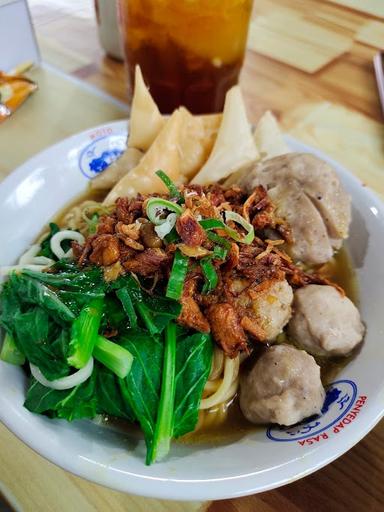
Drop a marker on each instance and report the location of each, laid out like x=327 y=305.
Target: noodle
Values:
x=217 y=365
x=231 y=372
x=80 y=217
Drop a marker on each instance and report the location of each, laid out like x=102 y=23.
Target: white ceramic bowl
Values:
x=259 y=461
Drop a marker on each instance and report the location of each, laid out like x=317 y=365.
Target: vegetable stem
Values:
x=164 y=423
x=84 y=333
x=115 y=357
x=10 y=353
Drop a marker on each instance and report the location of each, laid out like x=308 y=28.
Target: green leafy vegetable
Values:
x=46 y=243
x=10 y=353
x=178 y=274
x=141 y=389
x=109 y=396
x=72 y=404
x=116 y=358
x=161 y=442
x=32 y=291
x=10 y=305
x=76 y=300
x=155 y=312
x=126 y=301
x=43 y=342
x=84 y=333
x=152 y=372
x=71 y=278
x=193 y=365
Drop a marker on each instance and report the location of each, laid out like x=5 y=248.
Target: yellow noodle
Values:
x=212 y=386
x=218 y=364
x=79 y=216
x=231 y=370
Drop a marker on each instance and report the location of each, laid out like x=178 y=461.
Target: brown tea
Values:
x=190 y=51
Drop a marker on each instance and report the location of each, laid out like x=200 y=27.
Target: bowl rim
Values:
x=191 y=490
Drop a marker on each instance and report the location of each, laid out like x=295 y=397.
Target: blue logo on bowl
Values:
x=100 y=153
x=339 y=399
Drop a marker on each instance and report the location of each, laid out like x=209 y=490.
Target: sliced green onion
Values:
x=166 y=227
x=165 y=415
x=219 y=240
x=84 y=332
x=92 y=223
x=173 y=191
x=113 y=356
x=209 y=224
x=235 y=217
x=10 y=353
x=126 y=300
x=177 y=277
x=219 y=253
x=210 y=274
x=156 y=207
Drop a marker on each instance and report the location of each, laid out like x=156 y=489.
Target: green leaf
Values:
x=31 y=291
x=69 y=277
x=46 y=244
x=43 y=342
x=71 y=404
x=155 y=312
x=141 y=389
x=10 y=353
x=109 y=396
x=125 y=299
x=10 y=306
x=193 y=365
x=75 y=300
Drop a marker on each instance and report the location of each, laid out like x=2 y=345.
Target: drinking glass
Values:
x=190 y=51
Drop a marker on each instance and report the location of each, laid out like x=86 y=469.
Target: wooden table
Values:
x=310 y=61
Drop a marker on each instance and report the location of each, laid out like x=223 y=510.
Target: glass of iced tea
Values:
x=190 y=51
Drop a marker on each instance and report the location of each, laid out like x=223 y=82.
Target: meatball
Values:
x=283 y=387
x=269 y=308
x=309 y=195
x=324 y=322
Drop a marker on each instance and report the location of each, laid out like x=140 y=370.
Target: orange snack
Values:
x=14 y=90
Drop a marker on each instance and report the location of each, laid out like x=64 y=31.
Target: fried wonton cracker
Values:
x=163 y=154
x=234 y=146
